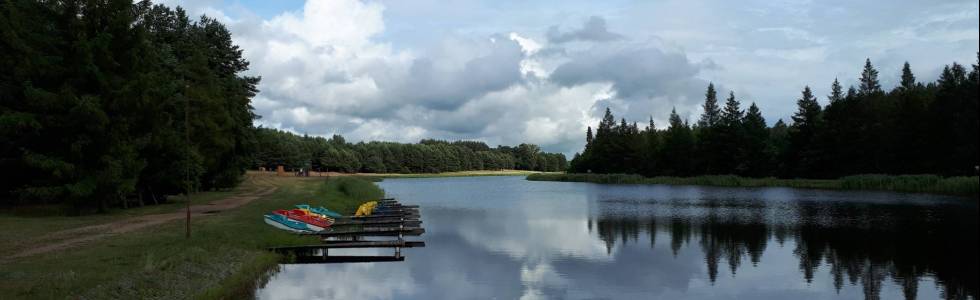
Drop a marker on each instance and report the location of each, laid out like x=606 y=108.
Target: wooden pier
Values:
x=352 y=244
x=371 y=231
x=392 y=219
x=378 y=222
x=336 y=259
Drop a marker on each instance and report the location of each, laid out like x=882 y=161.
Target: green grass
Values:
x=380 y=176
x=26 y=222
x=224 y=258
x=902 y=183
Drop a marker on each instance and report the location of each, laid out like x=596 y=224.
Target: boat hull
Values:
x=295 y=227
x=306 y=221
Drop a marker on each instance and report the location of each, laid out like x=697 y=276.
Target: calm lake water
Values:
x=507 y=238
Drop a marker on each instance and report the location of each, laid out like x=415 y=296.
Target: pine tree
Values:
x=588 y=136
x=651 y=149
x=711 y=153
x=607 y=123
x=755 y=159
x=908 y=80
x=869 y=80
x=711 y=113
x=804 y=156
x=837 y=137
x=678 y=144
x=779 y=147
x=907 y=130
x=732 y=115
x=954 y=122
x=729 y=137
x=836 y=94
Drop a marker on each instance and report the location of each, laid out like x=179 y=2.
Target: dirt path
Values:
x=67 y=239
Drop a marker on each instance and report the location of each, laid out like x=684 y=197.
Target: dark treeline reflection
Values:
x=857 y=243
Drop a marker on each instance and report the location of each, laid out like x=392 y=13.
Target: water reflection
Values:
x=856 y=243
x=507 y=238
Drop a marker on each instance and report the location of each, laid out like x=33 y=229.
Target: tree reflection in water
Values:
x=862 y=243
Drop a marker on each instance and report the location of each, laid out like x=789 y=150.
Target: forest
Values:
x=915 y=128
x=104 y=101
x=276 y=147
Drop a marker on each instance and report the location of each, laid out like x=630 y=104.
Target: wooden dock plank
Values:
x=352 y=244
x=415 y=215
x=388 y=222
x=332 y=259
x=372 y=231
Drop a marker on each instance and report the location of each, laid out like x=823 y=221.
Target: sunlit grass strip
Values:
x=380 y=176
x=901 y=183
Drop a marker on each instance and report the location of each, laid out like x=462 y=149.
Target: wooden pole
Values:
x=187 y=174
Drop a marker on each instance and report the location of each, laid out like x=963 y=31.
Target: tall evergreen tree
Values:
x=678 y=144
x=755 y=158
x=908 y=129
x=730 y=136
x=712 y=113
x=710 y=149
x=607 y=123
x=908 y=80
x=836 y=93
x=588 y=136
x=806 y=123
x=779 y=147
x=731 y=116
x=839 y=133
x=869 y=80
x=651 y=149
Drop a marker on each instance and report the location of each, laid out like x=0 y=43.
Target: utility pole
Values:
x=187 y=160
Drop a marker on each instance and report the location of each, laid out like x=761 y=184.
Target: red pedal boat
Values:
x=314 y=223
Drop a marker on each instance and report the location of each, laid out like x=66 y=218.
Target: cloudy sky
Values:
x=507 y=72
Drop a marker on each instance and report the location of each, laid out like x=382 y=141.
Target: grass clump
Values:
x=344 y=194
x=963 y=185
x=901 y=183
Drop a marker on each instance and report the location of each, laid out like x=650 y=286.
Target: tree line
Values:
x=915 y=128
x=280 y=148
x=94 y=96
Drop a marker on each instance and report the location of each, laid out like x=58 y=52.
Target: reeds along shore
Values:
x=963 y=185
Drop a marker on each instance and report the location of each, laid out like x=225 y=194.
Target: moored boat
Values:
x=312 y=222
x=319 y=210
x=284 y=223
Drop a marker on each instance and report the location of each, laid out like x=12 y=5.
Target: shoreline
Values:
x=478 y=173
x=925 y=184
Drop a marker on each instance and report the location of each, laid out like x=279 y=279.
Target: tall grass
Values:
x=355 y=188
x=913 y=183
x=901 y=183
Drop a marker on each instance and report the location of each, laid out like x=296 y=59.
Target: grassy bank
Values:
x=222 y=259
x=378 y=176
x=901 y=183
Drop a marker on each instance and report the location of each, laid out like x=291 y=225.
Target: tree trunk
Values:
x=153 y=196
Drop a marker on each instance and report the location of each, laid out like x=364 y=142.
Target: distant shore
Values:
x=507 y=172
x=932 y=184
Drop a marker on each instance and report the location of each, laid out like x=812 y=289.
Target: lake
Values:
x=507 y=238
